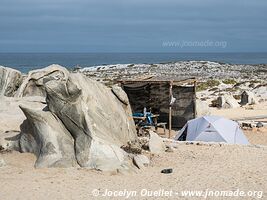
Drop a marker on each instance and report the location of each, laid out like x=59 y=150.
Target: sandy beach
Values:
x=195 y=167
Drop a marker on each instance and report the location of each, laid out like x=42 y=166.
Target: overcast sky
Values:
x=132 y=25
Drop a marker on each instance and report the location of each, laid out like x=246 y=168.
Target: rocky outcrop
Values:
x=10 y=80
x=227 y=101
x=50 y=140
x=182 y=69
x=96 y=119
x=33 y=84
x=84 y=123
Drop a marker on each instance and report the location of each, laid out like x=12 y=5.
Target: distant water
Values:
x=28 y=61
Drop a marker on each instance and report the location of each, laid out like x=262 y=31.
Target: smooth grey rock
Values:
x=33 y=84
x=53 y=141
x=141 y=161
x=98 y=122
x=2 y=162
x=156 y=144
x=82 y=122
x=120 y=94
x=64 y=100
x=259 y=125
x=170 y=149
x=227 y=101
x=10 y=80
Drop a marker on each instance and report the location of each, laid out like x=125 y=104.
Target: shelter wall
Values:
x=156 y=96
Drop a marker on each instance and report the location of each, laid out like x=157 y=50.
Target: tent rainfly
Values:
x=212 y=129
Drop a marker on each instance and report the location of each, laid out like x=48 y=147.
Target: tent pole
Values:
x=170 y=111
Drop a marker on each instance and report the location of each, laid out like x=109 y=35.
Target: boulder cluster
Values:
x=69 y=120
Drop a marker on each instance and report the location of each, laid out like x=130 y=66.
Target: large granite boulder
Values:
x=82 y=122
x=10 y=80
x=95 y=117
x=227 y=101
x=33 y=84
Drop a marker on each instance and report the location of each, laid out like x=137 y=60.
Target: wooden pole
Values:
x=195 y=99
x=170 y=121
x=170 y=111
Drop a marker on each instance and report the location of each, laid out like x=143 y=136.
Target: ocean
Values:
x=25 y=62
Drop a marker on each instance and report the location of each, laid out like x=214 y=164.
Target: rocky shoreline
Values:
x=198 y=69
x=214 y=79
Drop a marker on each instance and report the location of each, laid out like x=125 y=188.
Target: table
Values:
x=144 y=119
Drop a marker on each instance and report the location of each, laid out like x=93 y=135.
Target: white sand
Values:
x=195 y=167
x=242 y=112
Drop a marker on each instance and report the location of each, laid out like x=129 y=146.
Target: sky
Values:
x=133 y=26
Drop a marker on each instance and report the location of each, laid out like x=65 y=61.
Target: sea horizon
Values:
x=26 y=61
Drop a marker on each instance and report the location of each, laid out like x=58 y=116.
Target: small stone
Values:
x=170 y=149
x=167 y=171
x=141 y=161
x=132 y=147
x=156 y=144
x=259 y=125
x=2 y=162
